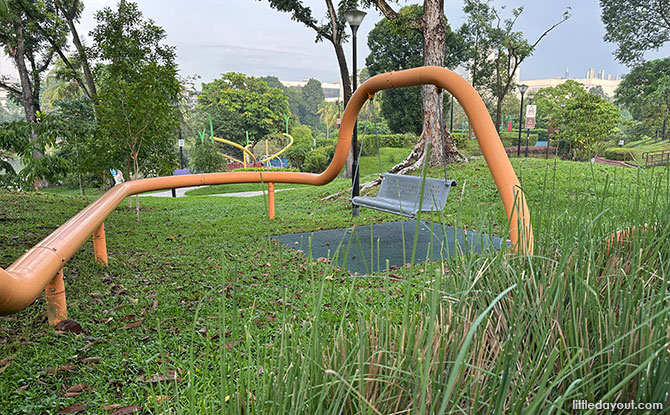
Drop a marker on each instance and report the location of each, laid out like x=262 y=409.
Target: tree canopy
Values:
x=312 y=98
x=238 y=103
x=636 y=26
x=396 y=45
x=138 y=90
x=645 y=92
x=551 y=100
x=496 y=50
x=586 y=120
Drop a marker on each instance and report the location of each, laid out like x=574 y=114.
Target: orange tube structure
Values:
x=271 y=200
x=100 y=245
x=55 y=295
x=24 y=280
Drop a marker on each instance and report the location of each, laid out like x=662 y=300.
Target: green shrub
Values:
x=460 y=139
x=511 y=138
x=206 y=158
x=296 y=154
x=619 y=153
x=318 y=159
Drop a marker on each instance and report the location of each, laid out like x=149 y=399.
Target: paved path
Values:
x=181 y=192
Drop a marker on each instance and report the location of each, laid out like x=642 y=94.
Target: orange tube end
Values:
x=271 y=200
x=55 y=296
x=100 y=245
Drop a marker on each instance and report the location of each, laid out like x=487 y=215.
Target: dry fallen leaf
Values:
x=79 y=387
x=73 y=409
x=124 y=410
x=132 y=324
x=70 y=326
x=22 y=388
x=110 y=407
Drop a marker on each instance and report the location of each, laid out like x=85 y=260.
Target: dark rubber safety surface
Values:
x=365 y=249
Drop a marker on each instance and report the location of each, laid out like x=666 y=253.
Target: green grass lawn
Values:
x=198 y=312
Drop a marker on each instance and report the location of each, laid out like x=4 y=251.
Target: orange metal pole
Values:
x=271 y=200
x=55 y=296
x=100 y=245
x=23 y=280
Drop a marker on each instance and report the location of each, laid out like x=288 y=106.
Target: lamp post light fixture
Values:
x=530 y=102
x=522 y=88
x=355 y=18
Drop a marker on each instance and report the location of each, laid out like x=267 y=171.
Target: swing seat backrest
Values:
x=401 y=195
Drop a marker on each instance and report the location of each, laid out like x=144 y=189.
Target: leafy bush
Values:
x=619 y=153
x=206 y=158
x=460 y=139
x=511 y=138
x=296 y=154
x=318 y=159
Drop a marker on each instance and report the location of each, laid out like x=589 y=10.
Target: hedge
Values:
x=619 y=154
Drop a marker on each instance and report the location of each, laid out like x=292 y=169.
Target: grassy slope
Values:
x=189 y=258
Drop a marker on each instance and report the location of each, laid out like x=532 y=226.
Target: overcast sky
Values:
x=217 y=36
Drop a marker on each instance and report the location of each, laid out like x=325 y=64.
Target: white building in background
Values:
x=332 y=91
x=606 y=82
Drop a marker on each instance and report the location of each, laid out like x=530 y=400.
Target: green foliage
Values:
x=239 y=103
x=619 y=153
x=125 y=43
x=74 y=128
x=206 y=158
x=138 y=121
x=396 y=45
x=368 y=127
x=317 y=160
x=585 y=121
x=496 y=50
x=550 y=100
x=636 y=26
x=312 y=98
x=460 y=139
x=511 y=138
x=645 y=92
x=16 y=138
x=137 y=93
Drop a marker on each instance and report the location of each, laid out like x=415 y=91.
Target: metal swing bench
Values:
x=401 y=195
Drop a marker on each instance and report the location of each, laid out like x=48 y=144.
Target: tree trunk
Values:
x=434 y=38
x=499 y=105
x=28 y=101
x=81 y=51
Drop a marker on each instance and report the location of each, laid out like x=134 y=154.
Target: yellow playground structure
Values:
x=258 y=154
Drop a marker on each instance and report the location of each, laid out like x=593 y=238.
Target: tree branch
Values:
x=566 y=16
x=10 y=88
x=334 y=35
x=56 y=49
x=386 y=9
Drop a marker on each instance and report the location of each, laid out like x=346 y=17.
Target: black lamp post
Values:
x=530 y=102
x=522 y=88
x=355 y=18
